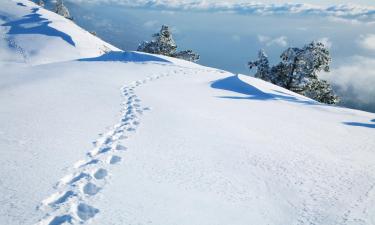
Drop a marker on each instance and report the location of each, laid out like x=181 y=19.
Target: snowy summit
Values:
x=91 y=134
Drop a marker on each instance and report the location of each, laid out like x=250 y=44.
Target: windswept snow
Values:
x=91 y=134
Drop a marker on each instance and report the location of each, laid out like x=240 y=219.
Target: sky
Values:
x=359 y=10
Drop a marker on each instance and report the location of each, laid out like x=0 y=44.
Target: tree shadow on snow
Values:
x=234 y=84
x=367 y=125
x=34 y=24
x=119 y=56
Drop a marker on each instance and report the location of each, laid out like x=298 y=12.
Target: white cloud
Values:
x=263 y=38
x=151 y=23
x=351 y=12
x=346 y=21
x=367 y=42
x=355 y=81
x=281 y=41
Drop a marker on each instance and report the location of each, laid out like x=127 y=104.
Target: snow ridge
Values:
x=74 y=192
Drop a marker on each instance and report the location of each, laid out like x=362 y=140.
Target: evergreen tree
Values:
x=163 y=44
x=298 y=71
x=62 y=10
x=321 y=91
x=303 y=65
x=263 y=66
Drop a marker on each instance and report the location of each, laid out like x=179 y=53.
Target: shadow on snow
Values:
x=234 y=84
x=367 y=125
x=21 y=4
x=119 y=56
x=34 y=24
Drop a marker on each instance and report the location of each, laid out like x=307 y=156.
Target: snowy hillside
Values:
x=90 y=134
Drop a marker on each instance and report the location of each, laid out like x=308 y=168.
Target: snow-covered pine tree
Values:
x=263 y=66
x=163 y=44
x=61 y=9
x=298 y=71
x=187 y=55
x=303 y=65
x=321 y=91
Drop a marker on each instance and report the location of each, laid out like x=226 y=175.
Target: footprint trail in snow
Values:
x=75 y=193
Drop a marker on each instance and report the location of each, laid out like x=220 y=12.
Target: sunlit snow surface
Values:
x=93 y=135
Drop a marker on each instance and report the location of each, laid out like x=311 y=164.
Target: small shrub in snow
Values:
x=298 y=71
x=163 y=44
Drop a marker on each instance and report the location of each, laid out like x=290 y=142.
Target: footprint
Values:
x=79 y=177
x=59 y=220
x=136 y=123
x=114 y=159
x=121 y=148
x=81 y=164
x=122 y=137
x=126 y=124
x=131 y=129
x=130 y=111
x=104 y=150
x=86 y=212
x=57 y=200
x=91 y=189
x=100 y=174
x=126 y=119
x=108 y=140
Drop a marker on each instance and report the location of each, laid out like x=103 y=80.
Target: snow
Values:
x=111 y=137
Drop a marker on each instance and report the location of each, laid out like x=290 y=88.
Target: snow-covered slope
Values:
x=39 y=36
x=131 y=138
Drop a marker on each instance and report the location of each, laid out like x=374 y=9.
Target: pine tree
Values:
x=304 y=64
x=62 y=10
x=321 y=91
x=164 y=44
x=263 y=66
x=298 y=71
